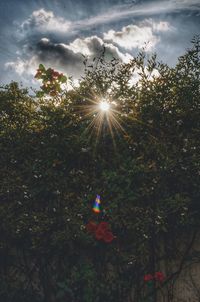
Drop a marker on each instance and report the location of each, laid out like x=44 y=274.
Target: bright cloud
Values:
x=161 y=26
x=142 y=35
x=44 y=21
x=87 y=46
x=93 y=46
x=120 y=12
x=133 y=36
x=23 y=66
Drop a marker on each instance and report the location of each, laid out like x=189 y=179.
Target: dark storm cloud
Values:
x=70 y=57
x=67 y=58
x=61 y=56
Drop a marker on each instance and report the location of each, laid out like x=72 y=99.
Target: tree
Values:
x=58 y=152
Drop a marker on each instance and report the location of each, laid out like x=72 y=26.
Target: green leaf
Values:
x=63 y=79
x=40 y=94
x=48 y=72
x=41 y=67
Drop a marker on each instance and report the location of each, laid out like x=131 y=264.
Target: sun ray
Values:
x=102 y=116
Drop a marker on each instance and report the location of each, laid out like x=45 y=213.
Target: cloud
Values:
x=133 y=36
x=70 y=56
x=21 y=66
x=24 y=70
x=44 y=21
x=67 y=58
x=120 y=12
x=138 y=36
x=93 y=46
x=161 y=26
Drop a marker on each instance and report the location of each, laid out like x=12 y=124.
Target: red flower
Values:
x=99 y=233
x=104 y=233
x=159 y=276
x=148 y=277
x=55 y=74
x=108 y=237
x=103 y=226
x=91 y=226
x=101 y=230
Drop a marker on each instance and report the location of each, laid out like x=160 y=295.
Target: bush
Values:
x=58 y=152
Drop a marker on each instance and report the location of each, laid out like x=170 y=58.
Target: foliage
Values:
x=51 y=80
x=52 y=168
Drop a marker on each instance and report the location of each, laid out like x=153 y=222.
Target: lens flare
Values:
x=96 y=206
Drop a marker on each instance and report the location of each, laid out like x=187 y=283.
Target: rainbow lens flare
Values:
x=96 y=207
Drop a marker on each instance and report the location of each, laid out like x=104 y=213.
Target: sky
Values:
x=58 y=33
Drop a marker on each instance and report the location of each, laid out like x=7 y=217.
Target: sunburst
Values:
x=103 y=116
x=104 y=105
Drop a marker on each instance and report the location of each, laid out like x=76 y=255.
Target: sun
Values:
x=104 y=106
x=102 y=115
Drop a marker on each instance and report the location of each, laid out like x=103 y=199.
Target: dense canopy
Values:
x=143 y=159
